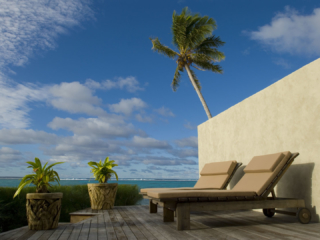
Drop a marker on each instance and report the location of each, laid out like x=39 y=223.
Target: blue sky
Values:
x=79 y=81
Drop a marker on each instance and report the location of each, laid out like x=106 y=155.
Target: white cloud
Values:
x=147 y=142
x=107 y=127
x=246 y=51
x=82 y=148
x=26 y=25
x=188 y=125
x=74 y=98
x=163 y=161
x=183 y=153
x=127 y=106
x=130 y=84
x=14 y=100
x=141 y=118
x=187 y=142
x=164 y=112
x=26 y=136
x=8 y=155
x=283 y=63
x=291 y=32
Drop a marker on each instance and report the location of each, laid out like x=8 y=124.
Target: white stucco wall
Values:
x=284 y=116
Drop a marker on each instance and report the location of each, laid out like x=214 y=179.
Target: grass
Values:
x=13 y=211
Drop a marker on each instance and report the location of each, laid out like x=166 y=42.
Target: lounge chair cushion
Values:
x=265 y=163
x=215 y=175
x=162 y=194
x=259 y=181
x=145 y=190
x=218 y=168
x=214 y=181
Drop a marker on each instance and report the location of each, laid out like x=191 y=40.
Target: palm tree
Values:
x=197 y=47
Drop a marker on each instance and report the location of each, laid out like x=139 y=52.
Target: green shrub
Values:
x=13 y=211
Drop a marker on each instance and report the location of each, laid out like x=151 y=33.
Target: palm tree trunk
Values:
x=199 y=93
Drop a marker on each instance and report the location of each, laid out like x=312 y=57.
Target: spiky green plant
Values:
x=102 y=171
x=41 y=177
x=196 y=47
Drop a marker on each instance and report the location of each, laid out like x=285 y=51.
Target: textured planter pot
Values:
x=102 y=195
x=43 y=210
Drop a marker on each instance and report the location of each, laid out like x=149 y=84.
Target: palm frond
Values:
x=20 y=188
x=213 y=54
x=92 y=164
x=176 y=79
x=210 y=42
x=208 y=66
x=102 y=170
x=33 y=165
x=114 y=174
x=158 y=47
x=200 y=30
x=178 y=28
x=38 y=162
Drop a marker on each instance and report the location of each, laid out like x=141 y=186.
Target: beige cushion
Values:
x=146 y=190
x=199 y=193
x=265 y=163
x=214 y=181
x=218 y=168
x=213 y=176
x=258 y=182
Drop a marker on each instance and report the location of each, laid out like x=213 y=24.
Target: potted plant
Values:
x=102 y=194
x=43 y=207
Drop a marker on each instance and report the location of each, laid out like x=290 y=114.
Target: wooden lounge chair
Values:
x=212 y=176
x=251 y=192
x=215 y=175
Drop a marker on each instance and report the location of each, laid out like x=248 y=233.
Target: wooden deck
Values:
x=135 y=222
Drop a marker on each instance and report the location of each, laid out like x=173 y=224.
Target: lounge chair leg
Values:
x=168 y=215
x=183 y=216
x=152 y=207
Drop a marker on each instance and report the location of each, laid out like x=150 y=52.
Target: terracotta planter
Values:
x=102 y=195
x=43 y=210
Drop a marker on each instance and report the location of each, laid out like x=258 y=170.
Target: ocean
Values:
x=142 y=183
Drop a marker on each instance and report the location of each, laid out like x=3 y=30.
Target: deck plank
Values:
x=37 y=235
x=135 y=222
x=283 y=228
x=227 y=227
x=102 y=232
x=117 y=226
x=167 y=227
x=27 y=235
x=67 y=232
x=150 y=226
x=16 y=234
x=131 y=224
x=85 y=230
x=254 y=226
x=45 y=235
x=111 y=234
x=202 y=231
x=8 y=234
x=57 y=232
x=93 y=232
x=148 y=235
x=127 y=231
x=288 y=222
x=76 y=231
